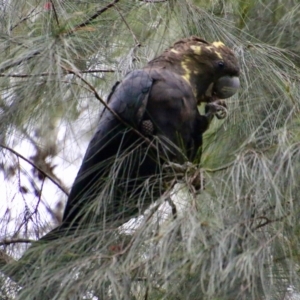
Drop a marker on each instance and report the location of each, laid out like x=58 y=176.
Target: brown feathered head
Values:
x=211 y=69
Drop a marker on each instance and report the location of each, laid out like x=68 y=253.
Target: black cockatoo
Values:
x=152 y=118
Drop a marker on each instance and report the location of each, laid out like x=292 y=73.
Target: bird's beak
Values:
x=226 y=87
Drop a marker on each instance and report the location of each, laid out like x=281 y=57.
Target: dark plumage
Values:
x=121 y=173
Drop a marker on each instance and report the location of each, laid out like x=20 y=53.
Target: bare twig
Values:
x=25 y=18
x=54 y=10
x=7 y=242
x=267 y=221
x=222 y=168
x=35 y=166
x=40 y=197
x=146 y=293
x=19 y=61
x=137 y=43
x=93 y=17
x=154 y=1
x=53 y=74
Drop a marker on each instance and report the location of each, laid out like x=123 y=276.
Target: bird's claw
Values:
x=217 y=108
x=188 y=172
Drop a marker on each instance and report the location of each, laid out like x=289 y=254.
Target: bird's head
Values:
x=211 y=69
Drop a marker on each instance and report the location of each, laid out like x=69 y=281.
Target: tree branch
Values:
x=137 y=43
x=19 y=61
x=6 y=242
x=222 y=168
x=35 y=166
x=53 y=74
x=93 y=17
x=267 y=221
x=55 y=14
x=154 y=1
x=25 y=18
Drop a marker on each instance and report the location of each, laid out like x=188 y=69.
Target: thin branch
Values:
x=35 y=166
x=25 y=18
x=6 y=242
x=222 y=168
x=40 y=197
x=54 y=10
x=53 y=74
x=93 y=17
x=19 y=61
x=154 y=1
x=137 y=43
x=267 y=221
x=98 y=71
x=146 y=293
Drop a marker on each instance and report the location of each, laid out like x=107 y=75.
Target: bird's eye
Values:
x=221 y=64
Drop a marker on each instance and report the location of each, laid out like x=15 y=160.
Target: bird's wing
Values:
x=128 y=100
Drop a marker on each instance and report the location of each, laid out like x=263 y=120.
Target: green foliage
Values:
x=237 y=239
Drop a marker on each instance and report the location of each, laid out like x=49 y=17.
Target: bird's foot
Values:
x=188 y=172
x=216 y=108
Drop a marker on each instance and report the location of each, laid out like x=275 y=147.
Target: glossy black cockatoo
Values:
x=151 y=118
